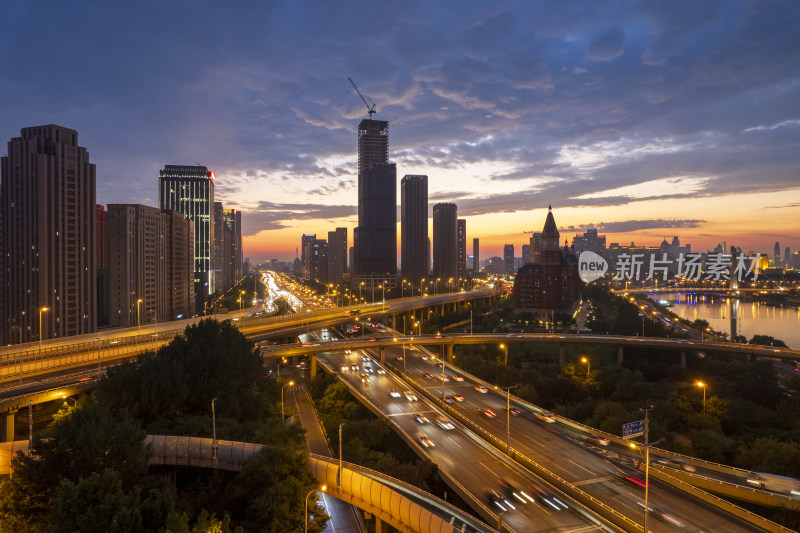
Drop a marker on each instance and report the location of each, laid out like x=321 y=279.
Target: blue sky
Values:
x=646 y=119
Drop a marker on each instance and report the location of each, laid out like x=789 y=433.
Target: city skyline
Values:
x=645 y=122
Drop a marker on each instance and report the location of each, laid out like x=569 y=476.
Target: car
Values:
x=458 y=397
x=398 y=358
x=497 y=500
x=393 y=393
x=458 y=378
x=443 y=378
x=353 y=367
x=345 y=368
x=373 y=340
x=546 y=416
x=546 y=497
x=481 y=389
x=448 y=399
x=425 y=440
x=630 y=477
x=659 y=513
x=680 y=464
x=428 y=375
x=424 y=357
x=381 y=371
x=364 y=377
x=437 y=336
x=410 y=396
x=597 y=439
x=421 y=419
x=444 y=423
x=439 y=365
x=514 y=411
x=488 y=413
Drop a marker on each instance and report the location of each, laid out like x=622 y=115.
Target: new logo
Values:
x=591 y=266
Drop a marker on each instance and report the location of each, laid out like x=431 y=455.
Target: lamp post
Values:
x=383 y=295
x=41 y=310
x=505 y=351
x=588 y=366
x=646 y=471
x=339 y=477
x=214 y=449
x=305 y=516
x=508 y=417
x=404 y=360
x=703 y=386
x=642 y=315
x=139 y=315
x=241 y=300
x=359 y=290
x=283 y=417
x=99 y=369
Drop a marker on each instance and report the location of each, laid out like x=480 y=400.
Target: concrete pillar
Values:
x=394 y=321
x=561 y=354
x=313 y=366
x=619 y=355
x=450 y=353
x=378 y=525
x=382 y=354
x=8 y=426
x=683 y=359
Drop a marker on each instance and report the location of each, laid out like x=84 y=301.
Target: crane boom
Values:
x=370 y=110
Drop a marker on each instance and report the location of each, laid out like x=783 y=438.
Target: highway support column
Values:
x=313 y=366
x=8 y=426
x=619 y=355
x=378 y=525
x=449 y=353
x=382 y=354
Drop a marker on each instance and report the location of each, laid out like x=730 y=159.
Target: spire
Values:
x=550 y=227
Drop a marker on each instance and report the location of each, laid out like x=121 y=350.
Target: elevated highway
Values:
x=397 y=503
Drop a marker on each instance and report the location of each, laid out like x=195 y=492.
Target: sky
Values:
x=642 y=119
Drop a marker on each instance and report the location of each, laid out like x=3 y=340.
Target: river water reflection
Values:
x=752 y=318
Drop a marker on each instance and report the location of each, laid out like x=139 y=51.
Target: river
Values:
x=753 y=318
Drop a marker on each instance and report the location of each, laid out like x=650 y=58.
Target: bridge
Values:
x=393 y=501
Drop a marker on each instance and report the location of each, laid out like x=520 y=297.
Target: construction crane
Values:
x=370 y=109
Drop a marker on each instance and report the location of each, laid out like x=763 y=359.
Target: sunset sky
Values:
x=644 y=119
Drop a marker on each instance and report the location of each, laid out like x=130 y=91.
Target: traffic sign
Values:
x=633 y=429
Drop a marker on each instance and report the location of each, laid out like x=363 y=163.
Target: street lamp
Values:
x=588 y=365
x=305 y=516
x=339 y=477
x=283 y=417
x=359 y=290
x=241 y=300
x=41 y=310
x=505 y=351
x=703 y=386
x=139 y=315
x=508 y=417
x=646 y=473
x=214 y=449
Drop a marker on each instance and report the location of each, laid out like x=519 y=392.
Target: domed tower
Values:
x=550 y=254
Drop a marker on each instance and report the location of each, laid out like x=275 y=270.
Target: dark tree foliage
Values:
x=766 y=340
x=91 y=440
x=211 y=359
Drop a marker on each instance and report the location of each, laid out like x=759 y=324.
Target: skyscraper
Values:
x=414 y=227
x=445 y=241
x=337 y=255
x=102 y=264
x=232 y=248
x=462 y=247
x=776 y=257
x=526 y=254
x=190 y=191
x=476 y=255
x=375 y=238
x=306 y=241
x=508 y=258
x=48 y=224
x=536 y=246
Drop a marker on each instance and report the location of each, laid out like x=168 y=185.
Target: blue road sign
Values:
x=633 y=429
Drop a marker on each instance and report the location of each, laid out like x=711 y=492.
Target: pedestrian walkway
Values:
x=345 y=518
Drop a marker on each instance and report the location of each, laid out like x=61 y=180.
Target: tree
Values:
x=74 y=447
x=766 y=340
x=211 y=359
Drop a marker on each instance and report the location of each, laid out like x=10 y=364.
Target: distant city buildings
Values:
x=476 y=255
x=337 y=255
x=508 y=258
x=48 y=224
x=462 y=248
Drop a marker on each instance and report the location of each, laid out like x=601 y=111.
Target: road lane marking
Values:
x=582 y=467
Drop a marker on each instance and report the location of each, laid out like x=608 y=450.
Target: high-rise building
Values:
x=526 y=254
x=592 y=242
x=179 y=232
x=337 y=255
x=373 y=144
x=222 y=273
x=375 y=238
x=476 y=255
x=190 y=191
x=150 y=268
x=232 y=247
x=414 y=227
x=305 y=253
x=776 y=256
x=445 y=241
x=318 y=252
x=102 y=264
x=787 y=254
x=536 y=247
x=462 y=247
x=508 y=258
x=49 y=226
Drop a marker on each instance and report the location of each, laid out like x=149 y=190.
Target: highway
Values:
x=598 y=470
